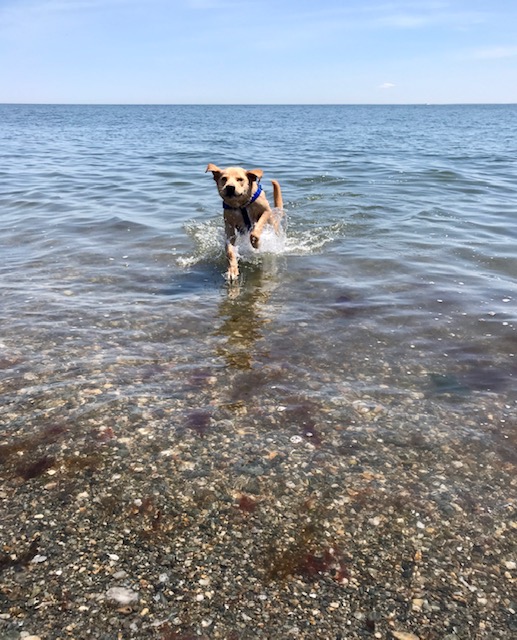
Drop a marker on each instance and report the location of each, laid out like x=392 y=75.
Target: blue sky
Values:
x=271 y=51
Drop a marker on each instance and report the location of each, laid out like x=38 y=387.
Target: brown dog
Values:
x=245 y=208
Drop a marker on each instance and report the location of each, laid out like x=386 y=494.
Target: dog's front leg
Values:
x=258 y=228
x=233 y=265
x=231 y=251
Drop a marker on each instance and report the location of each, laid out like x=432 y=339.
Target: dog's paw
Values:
x=254 y=239
x=232 y=275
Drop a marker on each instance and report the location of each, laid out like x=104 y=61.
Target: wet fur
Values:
x=236 y=187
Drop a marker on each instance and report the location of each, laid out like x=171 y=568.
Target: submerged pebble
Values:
x=122 y=595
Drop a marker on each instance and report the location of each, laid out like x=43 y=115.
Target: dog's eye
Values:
x=240 y=179
x=223 y=180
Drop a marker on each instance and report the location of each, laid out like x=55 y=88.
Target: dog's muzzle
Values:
x=229 y=191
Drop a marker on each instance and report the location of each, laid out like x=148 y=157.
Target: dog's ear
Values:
x=254 y=174
x=216 y=172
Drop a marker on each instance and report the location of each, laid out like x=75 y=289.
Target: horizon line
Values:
x=256 y=104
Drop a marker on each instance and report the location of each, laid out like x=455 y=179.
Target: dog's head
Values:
x=235 y=185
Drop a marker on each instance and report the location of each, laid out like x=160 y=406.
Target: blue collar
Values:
x=255 y=195
x=250 y=201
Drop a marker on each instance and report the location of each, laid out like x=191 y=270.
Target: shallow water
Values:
x=393 y=281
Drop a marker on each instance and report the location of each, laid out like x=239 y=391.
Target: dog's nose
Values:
x=230 y=190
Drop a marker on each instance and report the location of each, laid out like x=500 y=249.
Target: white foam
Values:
x=209 y=239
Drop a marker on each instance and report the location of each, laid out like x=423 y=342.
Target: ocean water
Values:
x=393 y=281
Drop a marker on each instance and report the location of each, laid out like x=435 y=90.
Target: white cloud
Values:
x=495 y=53
x=211 y=4
x=21 y=14
x=404 y=21
x=387 y=85
x=418 y=15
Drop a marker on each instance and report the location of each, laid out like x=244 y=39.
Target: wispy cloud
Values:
x=387 y=85
x=15 y=12
x=33 y=7
x=494 y=53
x=405 y=21
x=213 y=4
x=23 y=19
x=418 y=15
x=396 y=15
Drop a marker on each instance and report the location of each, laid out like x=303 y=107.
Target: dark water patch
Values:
x=34 y=469
x=115 y=227
x=247 y=503
x=197 y=279
x=200 y=378
x=167 y=632
x=199 y=421
x=350 y=443
x=305 y=550
x=22 y=557
x=447 y=384
x=302 y=417
x=444 y=175
x=472 y=369
x=488 y=379
x=29 y=458
x=351 y=304
x=246 y=387
x=27 y=444
x=7 y=362
x=251 y=466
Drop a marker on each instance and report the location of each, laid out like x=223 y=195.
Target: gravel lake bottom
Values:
x=253 y=499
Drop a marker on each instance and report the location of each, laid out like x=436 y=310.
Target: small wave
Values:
x=313 y=240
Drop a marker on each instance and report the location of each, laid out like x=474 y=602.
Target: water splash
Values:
x=208 y=237
x=209 y=240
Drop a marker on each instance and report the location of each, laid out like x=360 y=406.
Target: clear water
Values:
x=394 y=279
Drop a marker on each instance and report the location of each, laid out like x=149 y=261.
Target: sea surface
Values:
x=394 y=276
